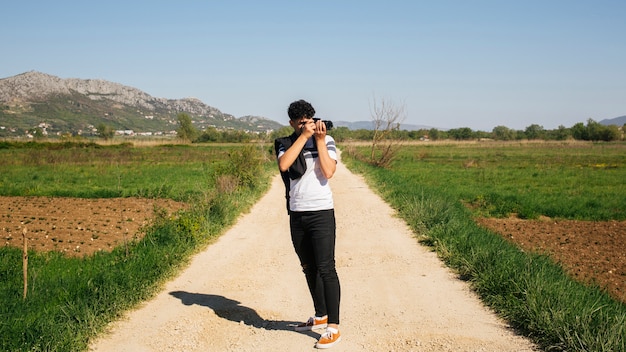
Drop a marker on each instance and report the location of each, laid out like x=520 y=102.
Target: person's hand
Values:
x=320 y=130
x=308 y=128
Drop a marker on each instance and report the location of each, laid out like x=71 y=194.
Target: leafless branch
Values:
x=387 y=117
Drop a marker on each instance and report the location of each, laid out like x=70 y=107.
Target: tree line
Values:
x=591 y=131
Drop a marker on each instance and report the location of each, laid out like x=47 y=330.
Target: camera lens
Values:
x=327 y=123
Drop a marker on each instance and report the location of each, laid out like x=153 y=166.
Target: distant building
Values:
x=125 y=133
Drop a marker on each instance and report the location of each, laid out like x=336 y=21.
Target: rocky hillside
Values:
x=56 y=105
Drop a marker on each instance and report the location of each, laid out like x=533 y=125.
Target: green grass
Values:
x=70 y=300
x=179 y=172
x=562 y=180
x=431 y=186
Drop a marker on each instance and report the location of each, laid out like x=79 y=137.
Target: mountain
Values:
x=618 y=121
x=57 y=105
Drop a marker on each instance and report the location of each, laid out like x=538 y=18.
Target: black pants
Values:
x=313 y=237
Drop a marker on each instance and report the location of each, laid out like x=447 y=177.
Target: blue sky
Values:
x=450 y=64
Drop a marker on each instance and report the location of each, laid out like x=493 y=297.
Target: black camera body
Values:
x=329 y=124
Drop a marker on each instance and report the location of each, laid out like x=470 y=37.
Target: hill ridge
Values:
x=76 y=105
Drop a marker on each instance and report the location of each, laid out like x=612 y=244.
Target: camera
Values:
x=329 y=124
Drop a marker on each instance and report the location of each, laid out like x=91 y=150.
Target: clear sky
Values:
x=451 y=64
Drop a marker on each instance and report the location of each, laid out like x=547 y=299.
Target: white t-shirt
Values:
x=312 y=191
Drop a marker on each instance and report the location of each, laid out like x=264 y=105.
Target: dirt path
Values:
x=244 y=291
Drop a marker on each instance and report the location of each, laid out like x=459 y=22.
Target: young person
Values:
x=307 y=159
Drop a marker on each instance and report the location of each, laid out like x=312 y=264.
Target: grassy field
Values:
x=179 y=172
x=70 y=300
x=440 y=188
x=562 y=180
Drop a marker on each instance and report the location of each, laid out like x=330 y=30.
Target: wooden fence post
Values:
x=25 y=262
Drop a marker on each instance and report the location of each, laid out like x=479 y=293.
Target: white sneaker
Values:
x=329 y=338
x=312 y=324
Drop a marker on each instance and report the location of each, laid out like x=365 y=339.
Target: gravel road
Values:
x=246 y=290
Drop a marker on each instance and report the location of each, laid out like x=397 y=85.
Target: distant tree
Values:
x=236 y=136
x=461 y=134
x=209 y=135
x=434 y=134
x=579 y=131
x=281 y=132
x=594 y=131
x=443 y=135
x=186 y=130
x=105 y=132
x=534 y=131
x=610 y=133
x=560 y=134
x=400 y=134
x=363 y=134
x=340 y=134
x=482 y=134
x=503 y=133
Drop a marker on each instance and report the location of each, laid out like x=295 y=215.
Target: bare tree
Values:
x=386 y=118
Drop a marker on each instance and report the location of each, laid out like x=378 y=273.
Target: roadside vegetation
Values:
x=70 y=300
x=439 y=188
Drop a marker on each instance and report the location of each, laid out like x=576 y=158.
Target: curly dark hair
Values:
x=300 y=108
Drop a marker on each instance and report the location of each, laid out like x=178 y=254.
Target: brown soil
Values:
x=75 y=226
x=592 y=252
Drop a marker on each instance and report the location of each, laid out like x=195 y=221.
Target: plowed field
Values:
x=593 y=252
x=589 y=251
x=76 y=226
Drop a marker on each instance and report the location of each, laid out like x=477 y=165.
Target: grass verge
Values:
x=70 y=300
x=530 y=291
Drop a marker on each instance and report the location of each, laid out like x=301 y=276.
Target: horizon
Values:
x=451 y=64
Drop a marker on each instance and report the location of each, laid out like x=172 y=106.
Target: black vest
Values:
x=296 y=170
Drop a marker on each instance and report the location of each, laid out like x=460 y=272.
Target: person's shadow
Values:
x=232 y=310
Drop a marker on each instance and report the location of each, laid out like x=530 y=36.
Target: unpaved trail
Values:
x=245 y=291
